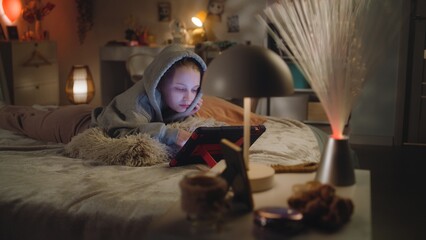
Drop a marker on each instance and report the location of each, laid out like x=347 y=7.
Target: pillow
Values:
x=224 y=111
x=136 y=150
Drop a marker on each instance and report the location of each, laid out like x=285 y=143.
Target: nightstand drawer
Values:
x=46 y=93
x=32 y=71
x=23 y=53
x=34 y=75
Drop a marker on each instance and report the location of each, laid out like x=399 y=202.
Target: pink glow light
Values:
x=10 y=10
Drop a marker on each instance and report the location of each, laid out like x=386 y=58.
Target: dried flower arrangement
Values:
x=135 y=33
x=35 y=10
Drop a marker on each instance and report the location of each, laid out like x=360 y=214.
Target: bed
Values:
x=46 y=194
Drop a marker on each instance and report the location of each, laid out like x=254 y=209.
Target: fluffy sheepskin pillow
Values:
x=133 y=150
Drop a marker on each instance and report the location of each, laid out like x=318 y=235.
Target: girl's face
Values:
x=180 y=89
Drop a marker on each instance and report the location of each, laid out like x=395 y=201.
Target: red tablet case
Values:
x=204 y=144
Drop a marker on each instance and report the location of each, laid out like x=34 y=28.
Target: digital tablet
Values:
x=204 y=144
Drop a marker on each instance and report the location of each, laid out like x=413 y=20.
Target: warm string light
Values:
x=327 y=39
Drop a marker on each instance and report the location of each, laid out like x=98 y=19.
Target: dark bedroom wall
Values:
x=109 y=24
x=374 y=116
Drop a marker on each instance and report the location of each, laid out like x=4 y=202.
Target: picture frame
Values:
x=233 y=24
x=236 y=176
x=164 y=12
x=12 y=32
x=2 y=34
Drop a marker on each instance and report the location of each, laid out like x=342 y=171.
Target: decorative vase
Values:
x=38 y=31
x=336 y=165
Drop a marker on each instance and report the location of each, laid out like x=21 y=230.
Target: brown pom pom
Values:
x=321 y=206
x=340 y=211
x=326 y=192
x=315 y=209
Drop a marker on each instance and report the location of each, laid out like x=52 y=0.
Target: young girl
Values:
x=168 y=92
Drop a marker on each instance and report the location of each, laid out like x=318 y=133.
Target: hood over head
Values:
x=159 y=66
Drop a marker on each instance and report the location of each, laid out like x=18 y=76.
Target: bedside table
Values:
x=173 y=224
x=31 y=70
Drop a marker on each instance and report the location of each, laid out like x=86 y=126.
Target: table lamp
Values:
x=79 y=86
x=199 y=19
x=248 y=71
x=199 y=34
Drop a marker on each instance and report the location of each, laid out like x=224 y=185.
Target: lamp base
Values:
x=261 y=177
x=336 y=165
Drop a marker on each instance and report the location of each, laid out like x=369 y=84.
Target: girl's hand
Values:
x=182 y=137
x=197 y=107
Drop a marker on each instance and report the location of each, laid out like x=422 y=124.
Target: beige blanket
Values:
x=285 y=142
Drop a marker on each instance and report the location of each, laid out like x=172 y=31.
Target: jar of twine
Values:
x=203 y=198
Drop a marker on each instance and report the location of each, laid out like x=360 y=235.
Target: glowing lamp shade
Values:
x=79 y=86
x=10 y=10
x=244 y=71
x=199 y=19
x=199 y=33
x=248 y=71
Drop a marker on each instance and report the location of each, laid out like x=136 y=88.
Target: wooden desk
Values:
x=173 y=224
